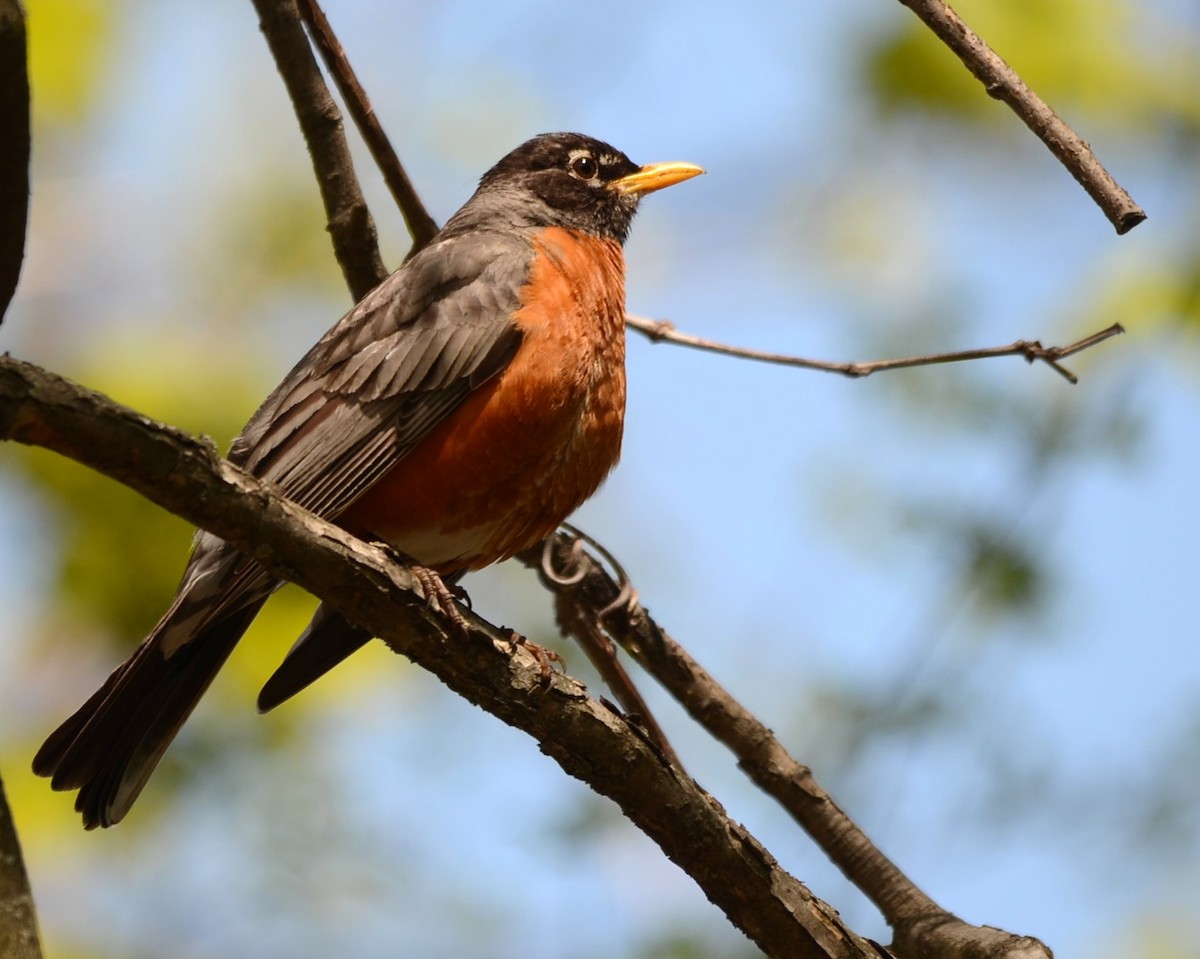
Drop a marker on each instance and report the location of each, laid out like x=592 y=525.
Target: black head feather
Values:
x=556 y=179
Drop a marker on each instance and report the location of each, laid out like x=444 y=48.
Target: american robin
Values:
x=460 y=412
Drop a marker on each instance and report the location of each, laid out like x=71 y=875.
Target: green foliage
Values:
x=265 y=242
x=1005 y=573
x=71 y=53
x=119 y=556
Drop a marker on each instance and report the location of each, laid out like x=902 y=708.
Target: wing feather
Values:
x=389 y=371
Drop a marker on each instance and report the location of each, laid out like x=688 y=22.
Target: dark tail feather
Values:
x=110 y=746
x=325 y=642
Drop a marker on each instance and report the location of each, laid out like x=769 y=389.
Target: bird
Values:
x=458 y=413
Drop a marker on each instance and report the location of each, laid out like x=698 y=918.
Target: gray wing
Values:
x=388 y=372
x=393 y=368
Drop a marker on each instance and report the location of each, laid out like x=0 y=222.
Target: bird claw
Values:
x=441 y=596
x=545 y=657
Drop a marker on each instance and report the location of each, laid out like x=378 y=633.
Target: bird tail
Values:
x=110 y=746
x=327 y=640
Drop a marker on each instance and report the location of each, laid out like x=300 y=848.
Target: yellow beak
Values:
x=655 y=176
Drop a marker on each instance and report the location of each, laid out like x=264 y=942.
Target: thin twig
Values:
x=559 y=569
x=663 y=330
x=351 y=227
x=421 y=226
x=757 y=749
x=1003 y=83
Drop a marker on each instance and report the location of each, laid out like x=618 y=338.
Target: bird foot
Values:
x=441 y=596
x=546 y=658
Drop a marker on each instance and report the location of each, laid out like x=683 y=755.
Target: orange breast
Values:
x=528 y=447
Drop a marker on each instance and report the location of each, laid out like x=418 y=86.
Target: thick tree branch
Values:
x=15 y=141
x=1003 y=83
x=924 y=930
x=349 y=220
x=18 y=923
x=590 y=740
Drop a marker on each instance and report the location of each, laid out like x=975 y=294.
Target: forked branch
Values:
x=421 y=226
x=589 y=600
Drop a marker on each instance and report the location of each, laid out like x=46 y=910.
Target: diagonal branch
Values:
x=1002 y=82
x=923 y=928
x=589 y=739
x=586 y=626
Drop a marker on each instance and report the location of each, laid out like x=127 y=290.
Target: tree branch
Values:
x=588 y=631
x=349 y=220
x=18 y=922
x=421 y=226
x=924 y=930
x=589 y=739
x=922 y=927
x=663 y=330
x=1002 y=82
x=14 y=148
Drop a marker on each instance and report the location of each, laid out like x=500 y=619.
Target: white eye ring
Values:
x=584 y=167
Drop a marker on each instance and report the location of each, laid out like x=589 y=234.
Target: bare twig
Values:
x=923 y=928
x=480 y=662
x=1031 y=350
x=14 y=148
x=1003 y=83
x=587 y=626
x=350 y=225
x=421 y=226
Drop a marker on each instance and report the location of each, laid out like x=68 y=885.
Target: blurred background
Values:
x=966 y=595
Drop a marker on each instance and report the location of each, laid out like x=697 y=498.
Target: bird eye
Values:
x=585 y=167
